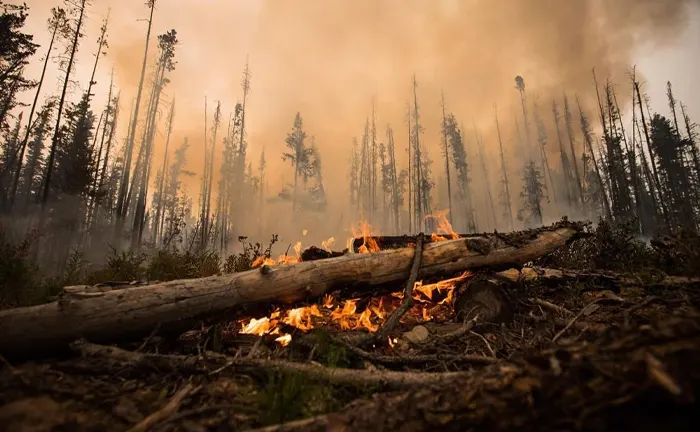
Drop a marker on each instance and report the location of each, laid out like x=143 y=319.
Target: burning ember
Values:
x=430 y=298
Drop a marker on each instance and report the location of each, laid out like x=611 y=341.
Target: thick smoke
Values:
x=330 y=60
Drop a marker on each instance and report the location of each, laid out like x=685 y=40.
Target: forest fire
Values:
x=429 y=297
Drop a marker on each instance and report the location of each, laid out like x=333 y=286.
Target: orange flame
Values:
x=327 y=244
x=301 y=317
x=369 y=243
x=328 y=301
x=443 y=228
x=284 y=340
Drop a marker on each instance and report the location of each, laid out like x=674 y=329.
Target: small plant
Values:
x=19 y=282
x=171 y=264
x=609 y=247
x=244 y=260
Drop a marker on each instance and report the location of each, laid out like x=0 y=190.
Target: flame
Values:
x=304 y=232
x=301 y=317
x=369 y=243
x=445 y=287
x=257 y=326
x=344 y=316
x=327 y=244
x=443 y=228
x=284 y=340
x=297 y=250
x=379 y=310
x=365 y=322
x=392 y=342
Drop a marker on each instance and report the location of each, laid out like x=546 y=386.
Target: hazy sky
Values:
x=329 y=58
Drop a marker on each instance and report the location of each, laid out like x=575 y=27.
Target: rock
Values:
x=417 y=335
x=512 y=275
x=528 y=274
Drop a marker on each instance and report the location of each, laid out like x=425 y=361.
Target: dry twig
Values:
x=407 y=302
x=167 y=411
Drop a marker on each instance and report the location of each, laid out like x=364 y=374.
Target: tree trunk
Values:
x=124 y=184
x=54 y=140
x=20 y=158
x=105 y=315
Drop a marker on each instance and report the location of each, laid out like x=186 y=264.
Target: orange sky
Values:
x=329 y=59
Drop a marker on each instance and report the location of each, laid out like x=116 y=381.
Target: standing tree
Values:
x=122 y=205
x=298 y=156
x=505 y=199
x=58 y=25
x=78 y=10
x=15 y=50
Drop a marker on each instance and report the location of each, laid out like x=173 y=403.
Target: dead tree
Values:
x=506 y=201
x=122 y=206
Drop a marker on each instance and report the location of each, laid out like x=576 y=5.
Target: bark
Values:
x=116 y=314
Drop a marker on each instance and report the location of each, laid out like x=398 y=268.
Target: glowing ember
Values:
x=392 y=342
x=304 y=232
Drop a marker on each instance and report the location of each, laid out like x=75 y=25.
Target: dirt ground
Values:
x=575 y=354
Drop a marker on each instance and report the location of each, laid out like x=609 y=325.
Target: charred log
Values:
x=133 y=312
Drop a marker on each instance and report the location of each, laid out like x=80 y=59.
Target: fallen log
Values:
x=105 y=316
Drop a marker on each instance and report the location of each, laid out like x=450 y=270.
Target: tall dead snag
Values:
x=588 y=140
x=485 y=171
x=129 y=151
x=652 y=156
x=505 y=199
x=108 y=315
x=163 y=177
x=565 y=163
x=396 y=181
x=447 y=160
x=568 y=120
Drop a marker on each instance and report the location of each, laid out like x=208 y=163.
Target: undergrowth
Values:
x=618 y=247
x=22 y=284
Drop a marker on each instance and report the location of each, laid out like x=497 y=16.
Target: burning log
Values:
x=132 y=312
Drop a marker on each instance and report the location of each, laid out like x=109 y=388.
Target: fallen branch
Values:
x=113 y=358
x=407 y=302
x=166 y=412
x=551 y=306
x=134 y=312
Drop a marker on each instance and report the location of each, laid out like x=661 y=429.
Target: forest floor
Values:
x=619 y=350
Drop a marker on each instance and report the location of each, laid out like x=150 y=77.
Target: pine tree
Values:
x=298 y=156
x=532 y=195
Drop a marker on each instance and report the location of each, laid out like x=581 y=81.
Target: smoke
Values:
x=330 y=60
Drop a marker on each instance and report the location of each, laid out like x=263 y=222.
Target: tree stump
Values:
x=486 y=298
